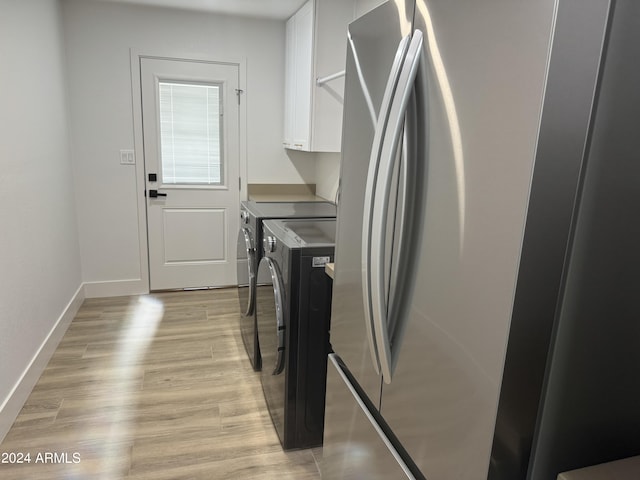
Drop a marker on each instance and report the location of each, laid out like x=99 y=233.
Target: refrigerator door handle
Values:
x=372 y=180
x=390 y=145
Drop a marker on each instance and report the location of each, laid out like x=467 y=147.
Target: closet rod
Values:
x=328 y=78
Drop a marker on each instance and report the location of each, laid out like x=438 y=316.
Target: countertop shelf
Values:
x=279 y=197
x=283 y=192
x=625 y=469
x=329 y=268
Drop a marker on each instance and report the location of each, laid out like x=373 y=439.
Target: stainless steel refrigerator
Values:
x=485 y=321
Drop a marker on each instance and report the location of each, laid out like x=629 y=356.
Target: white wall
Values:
x=327 y=174
x=39 y=252
x=328 y=164
x=363 y=6
x=98 y=37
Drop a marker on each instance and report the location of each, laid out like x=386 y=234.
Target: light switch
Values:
x=127 y=157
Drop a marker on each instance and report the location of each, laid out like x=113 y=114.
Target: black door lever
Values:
x=154 y=194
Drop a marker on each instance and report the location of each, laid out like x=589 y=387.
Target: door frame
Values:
x=138 y=138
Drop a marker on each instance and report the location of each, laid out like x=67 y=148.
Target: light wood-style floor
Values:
x=131 y=401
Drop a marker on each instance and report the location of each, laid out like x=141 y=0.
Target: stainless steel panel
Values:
x=354 y=447
x=370 y=55
x=569 y=99
x=486 y=65
x=591 y=411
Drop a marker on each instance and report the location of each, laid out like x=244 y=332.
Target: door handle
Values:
x=390 y=144
x=155 y=194
x=250 y=250
x=280 y=322
x=370 y=190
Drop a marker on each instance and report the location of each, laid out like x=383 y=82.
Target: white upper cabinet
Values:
x=316 y=42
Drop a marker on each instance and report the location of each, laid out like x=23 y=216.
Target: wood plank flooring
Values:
x=152 y=387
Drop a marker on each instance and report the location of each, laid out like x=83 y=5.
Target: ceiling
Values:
x=278 y=9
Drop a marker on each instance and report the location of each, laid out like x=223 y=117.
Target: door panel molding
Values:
x=199 y=250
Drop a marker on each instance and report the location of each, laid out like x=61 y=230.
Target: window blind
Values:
x=190 y=133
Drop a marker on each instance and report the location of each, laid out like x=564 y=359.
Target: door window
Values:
x=191 y=133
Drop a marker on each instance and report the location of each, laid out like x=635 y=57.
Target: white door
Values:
x=190 y=116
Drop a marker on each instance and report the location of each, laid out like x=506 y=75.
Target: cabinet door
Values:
x=303 y=61
x=315 y=41
x=289 y=83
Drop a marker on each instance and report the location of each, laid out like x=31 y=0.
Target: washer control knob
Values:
x=244 y=217
x=269 y=244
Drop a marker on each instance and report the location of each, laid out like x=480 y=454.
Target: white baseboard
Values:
x=115 y=288
x=14 y=402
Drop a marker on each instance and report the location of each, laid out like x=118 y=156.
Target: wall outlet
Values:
x=127 y=157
